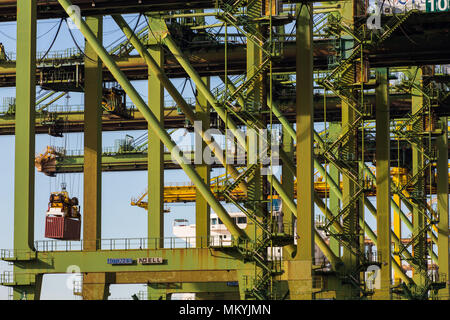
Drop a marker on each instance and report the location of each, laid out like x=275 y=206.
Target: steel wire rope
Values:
x=79 y=145
x=50 y=178
x=66 y=141
x=194 y=92
x=10 y=38
x=38 y=37
x=121 y=37
x=401 y=28
x=53 y=42
x=46 y=32
x=133 y=32
x=76 y=43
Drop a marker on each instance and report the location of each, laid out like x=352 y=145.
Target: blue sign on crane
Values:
x=120 y=261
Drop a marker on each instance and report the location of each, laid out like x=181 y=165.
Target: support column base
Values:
x=300 y=280
x=95 y=286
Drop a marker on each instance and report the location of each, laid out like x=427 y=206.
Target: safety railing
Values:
x=69 y=53
x=60 y=108
x=322 y=263
x=51 y=55
x=437 y=277
x=8 y=106
x=442 y=69
x=16 y=254
x=4 y=110
x=8 y=278
x=179 y=184
x=10 y=109
x=7 y=253
x=116 y=150
x=317 y=282
x=170 y=104
x=10 y=56
x=77 y=287
x=142 y=295
x=134 y=243
x=282 y=228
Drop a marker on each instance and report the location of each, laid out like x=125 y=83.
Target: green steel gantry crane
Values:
x=330 y=59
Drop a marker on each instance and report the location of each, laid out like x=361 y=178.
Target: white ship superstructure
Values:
x=220 y=236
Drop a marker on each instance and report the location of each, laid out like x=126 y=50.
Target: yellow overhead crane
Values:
x=186 y=192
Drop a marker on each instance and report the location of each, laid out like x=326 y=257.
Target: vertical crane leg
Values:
x=383 y=175
x=287 y=177
x=92 y=141
x=92 y=155
x=442 y=193
x=25 y=120
x=156 y=154
x=25 y=139
x=300 y=270
x=95 y=286
x=202 y=209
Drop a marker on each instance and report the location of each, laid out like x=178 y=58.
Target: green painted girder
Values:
x=210 y=61
x=206 y=60
x=74 y=121
x=120 y=162
x=135 y=161
x=174 y=259
x=12 y=279
x=173 y=118
x=17 y=255
x=50 y=9
x=24 y=178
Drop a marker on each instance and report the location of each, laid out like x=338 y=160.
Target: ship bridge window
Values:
x=241 y=219
x=180 y=222
x=214 y=221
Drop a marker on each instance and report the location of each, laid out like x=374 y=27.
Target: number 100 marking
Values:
x=442 y=5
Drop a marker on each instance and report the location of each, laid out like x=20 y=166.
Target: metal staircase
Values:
x=342 y=152
x=418 y=131
x=243 y=15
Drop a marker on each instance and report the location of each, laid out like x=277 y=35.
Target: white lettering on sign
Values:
x=154 y=260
